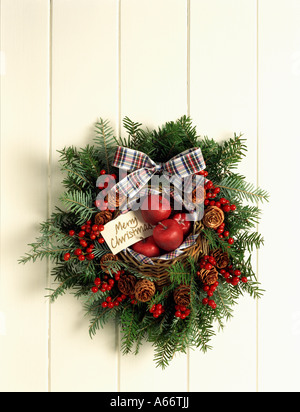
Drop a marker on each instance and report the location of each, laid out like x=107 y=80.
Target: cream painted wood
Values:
x=278 y=132
x=84 y=87
x=233 y=65
x=223 y=101
x=153 y=91
x=24 y=163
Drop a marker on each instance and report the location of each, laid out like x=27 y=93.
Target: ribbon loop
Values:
x=142 y=168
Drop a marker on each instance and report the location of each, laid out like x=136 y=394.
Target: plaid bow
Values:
x=142 y=168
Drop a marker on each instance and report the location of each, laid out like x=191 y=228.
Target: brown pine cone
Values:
x=144 y=290
x=126 y=284
x=103 y=217
x=213 y=217
x=182 y=295
x=108 y=257
x=222 y=258
x=198 y=197
x=115 y=200
x=209 y=276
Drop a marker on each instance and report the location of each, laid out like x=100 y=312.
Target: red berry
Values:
x=71 y=232
x=81 y=233
x=110 y=305
x=218 y=204
x=233 y=207
x=235 y=280
x=67 y=256
x=205 y=301
x=209 y=184
x=94 y=289
x=244 y=279
x=102 y=172
x=97 y=281
x=226 y=208
x=101 y=240
x=92 y=236
x=90 y=256
x=217 y=190
x=223 y=200
x=206 y=288
x=104 y=304
x=81 y=257
x=208 y=266
x=231 y=241
x=226 y=233
x=101 y=228
x=95 y=228
x=78 y=252
x=108 y=299
x=237 y=272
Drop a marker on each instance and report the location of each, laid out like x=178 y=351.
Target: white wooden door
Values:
x=233 y=66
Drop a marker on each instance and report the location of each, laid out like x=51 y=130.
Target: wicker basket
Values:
x=160 y=268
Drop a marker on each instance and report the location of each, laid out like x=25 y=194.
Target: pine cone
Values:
x=209 y=276
x=107 y=258
x=222 y=258
x=182 y=295
x=144 y=290
x=103 y=217
x=115 y=200
x=213 y=217
x=126 y=284
x=198 y=197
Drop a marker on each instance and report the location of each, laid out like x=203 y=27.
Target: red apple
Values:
x=168 y=235
x=147 y=247
x=155 y=208
x=185 y=224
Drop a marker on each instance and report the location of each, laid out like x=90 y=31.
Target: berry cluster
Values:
x=99 y=203
x=208 y=262
x=87 y=233
x=233 y=276
x=107 y=283
x=181 y=311
x=224 y=204
x=157 y=310
x=111 y=303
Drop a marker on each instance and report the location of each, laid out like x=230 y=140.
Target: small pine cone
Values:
x=108 y=257
x=126 y=284
x=213 y=217
x=144 y=290
x=182 y=295
x=209 y=276
x=198 y=196
x=103 y=217
x=222 y=258
x=115 y=200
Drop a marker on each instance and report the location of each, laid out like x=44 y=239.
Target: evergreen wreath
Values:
x=199 y=289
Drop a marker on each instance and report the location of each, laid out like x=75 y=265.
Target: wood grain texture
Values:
x=234 y=66
x=24 y=163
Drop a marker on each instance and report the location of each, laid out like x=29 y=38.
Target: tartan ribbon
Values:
x=142 y=168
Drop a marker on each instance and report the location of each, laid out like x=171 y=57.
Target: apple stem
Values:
x=165 y=227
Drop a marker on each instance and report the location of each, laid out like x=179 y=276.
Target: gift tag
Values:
x=126 y=230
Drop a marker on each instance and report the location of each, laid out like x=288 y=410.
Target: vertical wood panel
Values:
x=84 y=87
x=279 y=130
x=223 y=101
x=24 y=160
x=153 y=91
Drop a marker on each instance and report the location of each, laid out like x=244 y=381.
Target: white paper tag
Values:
x=126 y=230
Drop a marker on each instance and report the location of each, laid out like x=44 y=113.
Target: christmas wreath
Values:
x=173 y=286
